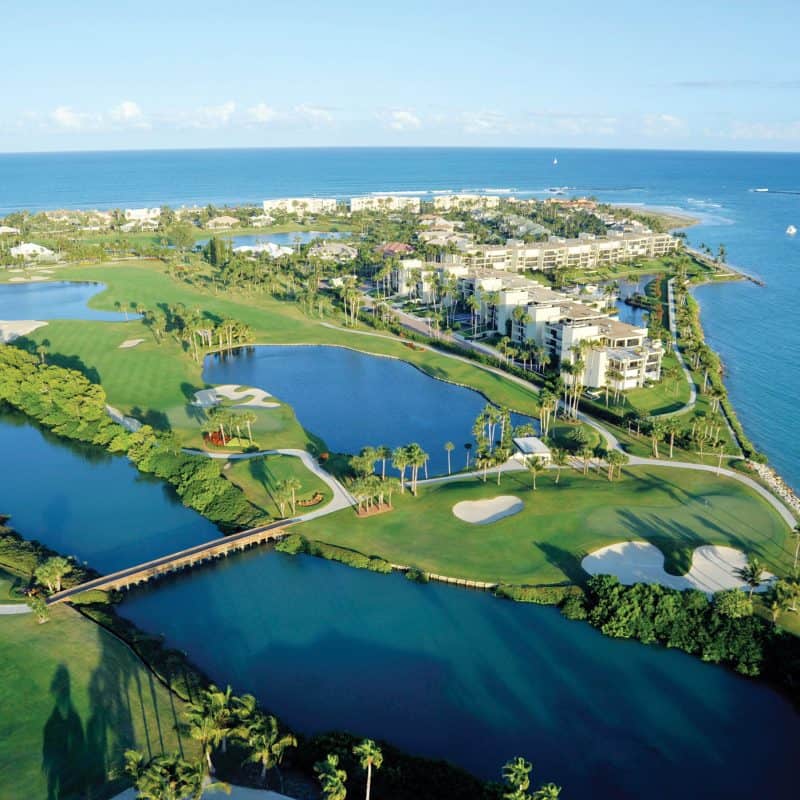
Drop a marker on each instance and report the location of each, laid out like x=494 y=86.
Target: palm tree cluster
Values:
x=517 y=779
x=285 y=494
x=51 y=572
x=411 y=456
x=225 y=421
x=332 y=778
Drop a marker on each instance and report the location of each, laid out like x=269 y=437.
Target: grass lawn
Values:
x=157 y=378
x=72 y=699
x=258 y=478
x=7 y=583
x=676 y=510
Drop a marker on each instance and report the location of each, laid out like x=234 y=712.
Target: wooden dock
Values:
x=184 y=559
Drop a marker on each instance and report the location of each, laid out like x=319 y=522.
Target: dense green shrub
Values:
x=573 y=607
x=293 y=544
x=542 y=595
x=417 y=575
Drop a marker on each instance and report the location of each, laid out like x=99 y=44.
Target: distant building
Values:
x=261 y=220
x=142 y=214
x=218 y=223
x=394 y=249
x=532 y=446
x=269 y=248
x=331 y=250
x=301 y=205
x=448 y=202
x=7 y=229
x=30 y=250
x=385 y=202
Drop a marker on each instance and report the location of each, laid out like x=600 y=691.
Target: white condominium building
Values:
x=301 y=205
x=584 y=252
x=385 y=202
x=448 y=202
x=142 y=214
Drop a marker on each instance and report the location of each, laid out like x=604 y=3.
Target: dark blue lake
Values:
x=457 y=674
x=55 y=300
x=352 y=400
x=286 y=239
x=81 y=501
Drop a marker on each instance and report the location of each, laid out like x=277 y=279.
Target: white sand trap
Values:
x=19 y=327
x=713 y=567
x=130 y=343
x=482 y=512
x=256 y=398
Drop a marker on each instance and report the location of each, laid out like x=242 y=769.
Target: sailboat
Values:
x=555 y=162
x=791 y=230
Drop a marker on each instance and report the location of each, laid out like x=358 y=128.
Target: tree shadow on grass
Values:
x=58 y=359
x=569 y=563
x=155 y=419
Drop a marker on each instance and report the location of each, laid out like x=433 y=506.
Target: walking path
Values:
x=14 y=608
x=673 y=331
x=341 y=497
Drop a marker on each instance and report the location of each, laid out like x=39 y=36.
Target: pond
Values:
x=47 y=300
x=627 y=288
x=82 y=501
x=437 y=670
x=457 y=674
x=352 y=400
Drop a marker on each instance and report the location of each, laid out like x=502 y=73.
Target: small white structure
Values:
x=532 y=446
x=269 y=248
x=7 y=229
x=31 y=250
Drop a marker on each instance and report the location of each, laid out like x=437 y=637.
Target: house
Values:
x=7 y=230
x=261 y=220
x=532 y=447
x=331 y=250
x=31 y=251
x=301 y=205
x=220 y=223
x=142 y=214
x=393 y=249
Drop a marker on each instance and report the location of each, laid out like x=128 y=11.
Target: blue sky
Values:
x=94 y=75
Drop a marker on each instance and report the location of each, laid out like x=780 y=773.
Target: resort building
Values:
x=385 y=202
x=331 y=250
x=449 y=202
x=222 y=222
x=141 y=215
x=31 y=251
x=300 y=205
x=585 y=252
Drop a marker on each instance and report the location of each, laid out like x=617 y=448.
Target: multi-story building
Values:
x=585 y=252
x=448 y=202
x=300 y=205
x=385 y=202
x=142 y=214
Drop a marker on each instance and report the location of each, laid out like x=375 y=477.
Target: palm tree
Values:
x=517 y=774
x=267 y=744
x=656 y=434
x=752 y=574
x=671 y=427
x=384 y=453
x=249 y=417
x=369 y=756
x=400 y=461
x=52 y=572
x=547 y=792
x=169 y=777
x=615 y=459
x=417 y=458
x=449 y=447
x=586 y=454
x=534 y=465
x=331 y=778
x=203 y=728
x=292 y=484
x=560 y=458
x=468 y=447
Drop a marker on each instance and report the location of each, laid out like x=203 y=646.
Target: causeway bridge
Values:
x=192 y=556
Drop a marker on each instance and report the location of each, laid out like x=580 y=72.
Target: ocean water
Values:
x=753 y=328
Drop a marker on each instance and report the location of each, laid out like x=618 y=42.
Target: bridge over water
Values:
x=192 y=556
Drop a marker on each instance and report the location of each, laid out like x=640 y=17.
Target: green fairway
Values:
x=156 y=378
x=72 y=699
x=259 y=477
x=677 y=510
x=7 y=583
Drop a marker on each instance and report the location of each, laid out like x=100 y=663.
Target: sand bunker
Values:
x=482 y=512
x=130 y=343
x=20 y=327
x=255 y=398
x=713 y=567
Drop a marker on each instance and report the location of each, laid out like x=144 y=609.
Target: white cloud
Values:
x=315 y=114
x=764 y=131
x=403 y=120
x=484 y=122
x=210 y=116
x=126 y=111
x=68 y=119
x=661 y=124
x=262 y=114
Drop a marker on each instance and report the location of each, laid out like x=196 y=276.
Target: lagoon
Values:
x=46 y=300
x=352 y=400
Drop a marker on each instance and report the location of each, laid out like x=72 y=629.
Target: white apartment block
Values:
x=385 y=202
x=300 y=205
x=584 y=252
x=449 y=202
x=142 y=214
